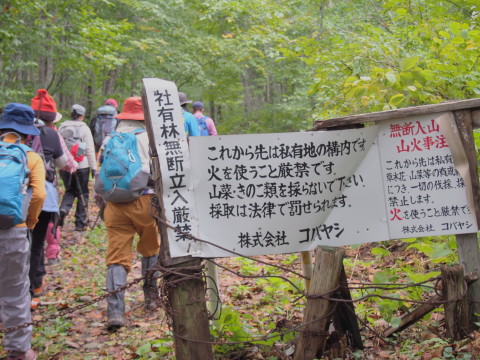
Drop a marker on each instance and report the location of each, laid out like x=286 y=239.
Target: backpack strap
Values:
x=17 y=141
x=138 y=131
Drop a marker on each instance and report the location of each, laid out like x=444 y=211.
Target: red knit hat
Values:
x=45 y=107
x=111 y=102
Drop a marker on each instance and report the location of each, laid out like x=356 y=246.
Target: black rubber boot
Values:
x=150 y=287
x=116 y=277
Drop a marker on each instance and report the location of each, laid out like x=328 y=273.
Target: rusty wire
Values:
x=174 y=276
x=180 y=275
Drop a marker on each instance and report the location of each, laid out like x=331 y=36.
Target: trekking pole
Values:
x=99 y=215
x=55 y=220
x=81 y=197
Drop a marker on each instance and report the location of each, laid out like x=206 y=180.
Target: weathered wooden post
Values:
x=307 y=267
x=185 y=288
x=458 y=321
x=344 y=319
x=213 y=294
x=326 y=275
x=467 y=244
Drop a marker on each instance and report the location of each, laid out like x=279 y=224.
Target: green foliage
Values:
x=263 y=66
x=389 y=295
x=52 y=335
x=230 y=327
x=439 y=250
x=154 y=349
x=408 y=53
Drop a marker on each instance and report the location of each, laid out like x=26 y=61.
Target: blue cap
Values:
x=198 y=104
x=107 y=110
x=19 y=117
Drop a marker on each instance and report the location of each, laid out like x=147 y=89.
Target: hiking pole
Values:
x=82 y=198
x=55 y=220
x=99 y=215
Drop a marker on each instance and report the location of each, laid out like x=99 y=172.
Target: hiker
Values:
x=113 y=103
x=52 y=247
x=191 y=126
x=79 y=140
x=16 y=123
x=48 y=146
x=128 y=207
x=206 y=126
x=103 y=124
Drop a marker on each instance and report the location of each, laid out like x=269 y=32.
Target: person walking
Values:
x=130 y=212
x=103 y=124
x=113 y=103
x=191 y=126
x=50 y=149
x=79 y=140
x=206 y=126
x=53 y=235
x=17 y=121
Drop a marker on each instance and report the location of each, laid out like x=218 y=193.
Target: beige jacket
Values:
x=89 y=160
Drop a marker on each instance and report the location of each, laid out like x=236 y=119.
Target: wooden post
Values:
x=467 y=244
x=307 y=268
x=457 y=319
x=326 y=275
x=213 y=292
x=189 y=317
x=191 y=331
x=344 y=318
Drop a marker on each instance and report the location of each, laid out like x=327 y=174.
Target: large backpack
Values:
x=104 y=124
x=34 y=142
x=14 y=180
x=121 y=178
x=202 y=126
x=72 y=134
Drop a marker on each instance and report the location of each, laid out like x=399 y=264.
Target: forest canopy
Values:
x=259 y=66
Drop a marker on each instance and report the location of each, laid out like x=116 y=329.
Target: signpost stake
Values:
x=307 y=268
x=318 y=311
x=213 y=292
x=457 y=320
x=185 y=288
x=467 y=244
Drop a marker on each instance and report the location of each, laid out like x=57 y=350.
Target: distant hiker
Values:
x=103 y=124
x=191 y=126
x=112 y=102
x=16 y=123
x=128 y=206
x=48 y=145
x=79 y=140
x=206 y=126
x=52 y=248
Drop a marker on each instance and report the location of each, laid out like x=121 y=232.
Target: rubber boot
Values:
x=116 y=277
x=150 y=287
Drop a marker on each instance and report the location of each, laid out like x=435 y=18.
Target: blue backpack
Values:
x=121 y=178
x=14 y=179
x=202 y=126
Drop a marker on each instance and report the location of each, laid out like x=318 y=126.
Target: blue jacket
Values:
x=191 y=125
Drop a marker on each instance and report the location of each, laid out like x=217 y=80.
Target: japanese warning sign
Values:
x=279 y=193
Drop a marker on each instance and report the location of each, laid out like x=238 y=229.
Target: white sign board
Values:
x=424 y=193
x=279 y=193
x=172 y=149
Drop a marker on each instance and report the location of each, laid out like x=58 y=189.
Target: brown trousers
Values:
x=123 y=221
